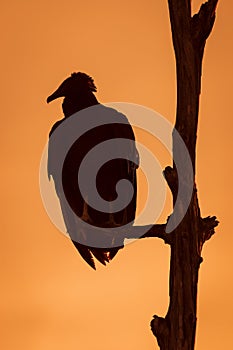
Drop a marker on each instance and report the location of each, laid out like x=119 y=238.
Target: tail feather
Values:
x=85 y=253
x=113 y=251
x=100 y=254
x=104 y=255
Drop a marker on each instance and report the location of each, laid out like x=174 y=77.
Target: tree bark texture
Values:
x=177 y=330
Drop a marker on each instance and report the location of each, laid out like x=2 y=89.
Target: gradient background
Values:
x=51 y=299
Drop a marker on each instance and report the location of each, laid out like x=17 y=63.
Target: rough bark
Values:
x=177 y=330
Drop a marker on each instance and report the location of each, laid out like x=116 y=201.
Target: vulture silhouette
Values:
x=78 y=93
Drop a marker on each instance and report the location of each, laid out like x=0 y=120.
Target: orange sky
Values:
x=51 y=299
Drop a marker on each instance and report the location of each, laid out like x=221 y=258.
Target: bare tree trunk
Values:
x=177 y=330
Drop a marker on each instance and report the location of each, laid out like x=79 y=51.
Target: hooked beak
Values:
x=55 y=95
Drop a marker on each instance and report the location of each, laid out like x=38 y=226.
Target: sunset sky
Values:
x=50 y=298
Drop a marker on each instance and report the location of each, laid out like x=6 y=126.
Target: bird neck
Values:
x=73 y=104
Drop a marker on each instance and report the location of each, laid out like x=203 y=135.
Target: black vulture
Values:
x=78 y=92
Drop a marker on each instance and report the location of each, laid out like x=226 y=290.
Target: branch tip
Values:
x=203 y=21
x=170 y=175
x=208 y=227
x=160 y=330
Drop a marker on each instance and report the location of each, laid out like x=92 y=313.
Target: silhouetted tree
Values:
x=177 y=330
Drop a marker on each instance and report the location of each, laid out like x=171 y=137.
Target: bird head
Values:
x=72 y=86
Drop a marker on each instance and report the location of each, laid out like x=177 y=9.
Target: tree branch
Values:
x=160 y=330
x=170 y=175
x=177 y=330
x=203 y=21
x=207 y=226
x=153 y=231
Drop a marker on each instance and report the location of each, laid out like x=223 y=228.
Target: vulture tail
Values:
x=105 y=255
x=101 y=255
x=113 y=251
x=85 y=253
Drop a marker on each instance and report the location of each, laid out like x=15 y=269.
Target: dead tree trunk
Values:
x=177 y=330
